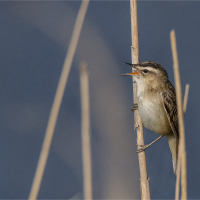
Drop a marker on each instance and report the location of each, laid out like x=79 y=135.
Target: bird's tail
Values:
x=173 y=145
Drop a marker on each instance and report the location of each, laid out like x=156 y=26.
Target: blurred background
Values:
x=34 y=39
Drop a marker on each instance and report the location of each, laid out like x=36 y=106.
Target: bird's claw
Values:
x=135 y=107
x=141 y=148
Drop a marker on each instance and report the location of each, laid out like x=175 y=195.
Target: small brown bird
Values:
x=157 y=104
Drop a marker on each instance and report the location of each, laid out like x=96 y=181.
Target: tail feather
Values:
x=173 y=145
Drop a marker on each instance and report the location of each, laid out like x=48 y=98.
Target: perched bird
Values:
x=157 y=104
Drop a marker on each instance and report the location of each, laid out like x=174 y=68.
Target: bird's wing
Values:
x=169 y=102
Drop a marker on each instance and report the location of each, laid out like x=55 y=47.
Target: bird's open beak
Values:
x=132 y=73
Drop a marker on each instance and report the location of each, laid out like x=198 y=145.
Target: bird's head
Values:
x=148 y=72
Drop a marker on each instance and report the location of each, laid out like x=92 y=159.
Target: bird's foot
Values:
x=142 y=148
x=135 y=107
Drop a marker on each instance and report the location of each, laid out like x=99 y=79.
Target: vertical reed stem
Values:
x=85 y=131
x=182 y=151
x=144 y=181
x=179 y=156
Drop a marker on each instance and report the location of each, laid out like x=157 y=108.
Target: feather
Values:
x=168 y=97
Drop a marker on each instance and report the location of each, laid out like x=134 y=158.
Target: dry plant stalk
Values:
x=182 y=152
x=57 y=102
x=179 y=156
x=85 y=131
x=185 y=98
x=178 y=176
x=144 y=181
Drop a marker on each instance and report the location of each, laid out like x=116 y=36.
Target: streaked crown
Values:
x=152 y=67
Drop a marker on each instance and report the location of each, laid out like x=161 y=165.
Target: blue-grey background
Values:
x=34 y=38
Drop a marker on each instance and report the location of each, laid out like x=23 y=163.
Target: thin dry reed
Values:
x=178 y=177
x=185 y=98
x=57 y=102
x=178 y=167
x=182 y=152
x=85 y=131
x=144 y=181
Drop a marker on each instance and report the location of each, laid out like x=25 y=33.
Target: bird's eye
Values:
x=145 y=71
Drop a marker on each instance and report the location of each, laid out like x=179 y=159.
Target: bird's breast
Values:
x=153 y=115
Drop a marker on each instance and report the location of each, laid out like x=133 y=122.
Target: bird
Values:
x=156 y=104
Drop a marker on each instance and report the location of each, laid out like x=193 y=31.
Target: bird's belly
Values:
x=154 y=117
